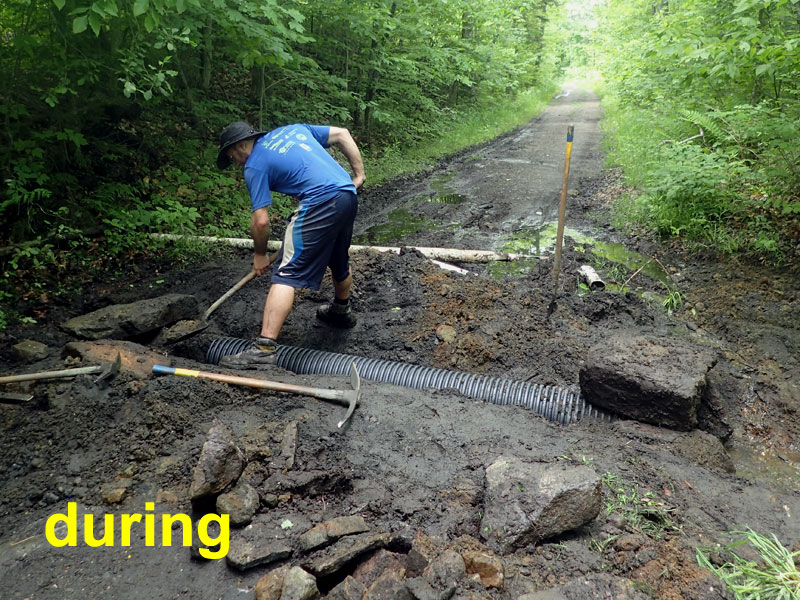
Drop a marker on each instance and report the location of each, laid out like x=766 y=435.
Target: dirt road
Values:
x=412 y=463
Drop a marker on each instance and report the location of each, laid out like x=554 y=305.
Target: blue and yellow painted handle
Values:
x=163 y=370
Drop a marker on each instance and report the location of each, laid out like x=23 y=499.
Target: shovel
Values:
x=348 y=398
x=189 y=327
x=562 y=209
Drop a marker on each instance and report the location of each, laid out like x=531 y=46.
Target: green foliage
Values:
x=774 y=577
x=641 y=510
x=110 y=108
x=703 y=114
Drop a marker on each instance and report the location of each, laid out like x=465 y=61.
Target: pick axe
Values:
x=347 y=398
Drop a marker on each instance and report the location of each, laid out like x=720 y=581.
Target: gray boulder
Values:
x=29 y=351
x=123 y=321
x=529 y=502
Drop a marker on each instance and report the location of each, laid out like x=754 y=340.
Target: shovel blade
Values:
x=183 y=329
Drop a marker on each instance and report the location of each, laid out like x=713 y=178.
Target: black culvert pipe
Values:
x=553 y=403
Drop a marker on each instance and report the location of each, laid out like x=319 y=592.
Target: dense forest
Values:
x=111 y=109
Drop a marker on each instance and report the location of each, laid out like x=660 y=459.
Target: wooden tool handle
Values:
x=51 y=374
x=562 y=207
x=239 y=284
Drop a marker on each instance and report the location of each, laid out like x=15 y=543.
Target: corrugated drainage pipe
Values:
x=555 y=404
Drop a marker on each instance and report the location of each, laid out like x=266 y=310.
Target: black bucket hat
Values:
x=232 y=135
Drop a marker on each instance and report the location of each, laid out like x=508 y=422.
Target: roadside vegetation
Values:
x=702 y=112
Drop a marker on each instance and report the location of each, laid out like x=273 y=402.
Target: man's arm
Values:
x=342 y=138
x=259 y=228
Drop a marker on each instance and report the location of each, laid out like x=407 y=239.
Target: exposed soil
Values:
x=411 y=462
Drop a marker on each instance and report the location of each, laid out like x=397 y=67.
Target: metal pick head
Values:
x=354 y=396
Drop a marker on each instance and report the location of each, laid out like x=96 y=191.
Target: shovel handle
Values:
x=562 y=207
x=236 y=287
x=239 y=285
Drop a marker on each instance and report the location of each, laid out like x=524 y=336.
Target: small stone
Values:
x=244 y=554
x=330 y=531
x=629 y=542
x=349 y=589
x=270 y=585
x=114 y=495
x=299 y=585
x=167 y=497
x=446 y=333
x=241 y=504
x=489 y=568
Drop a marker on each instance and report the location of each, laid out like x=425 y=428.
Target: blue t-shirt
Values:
x=292 y=160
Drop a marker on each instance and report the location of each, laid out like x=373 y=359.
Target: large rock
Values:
x=528 y=502
x=123 y=321
x=220 y=464
x=650 y=379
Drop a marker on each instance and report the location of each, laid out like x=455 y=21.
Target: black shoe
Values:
x=261 y=353
x=337 y=315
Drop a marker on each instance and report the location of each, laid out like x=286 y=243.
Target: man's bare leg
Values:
x=342 y=288
x=277 y=307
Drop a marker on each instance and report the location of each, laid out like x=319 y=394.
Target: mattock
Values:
x=347 y=398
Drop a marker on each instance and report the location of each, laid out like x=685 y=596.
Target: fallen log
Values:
x=444 y=254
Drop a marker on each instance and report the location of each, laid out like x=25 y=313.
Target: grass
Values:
x=774 y=577
x=641 y=510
